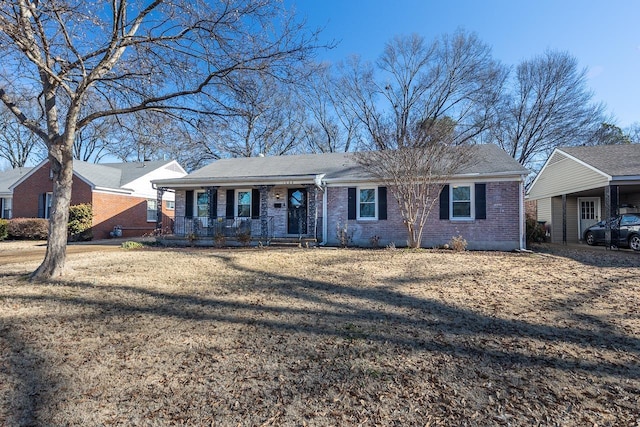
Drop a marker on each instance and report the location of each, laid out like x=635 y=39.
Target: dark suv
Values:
x=625 y=231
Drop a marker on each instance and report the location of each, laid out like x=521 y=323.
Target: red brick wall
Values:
x=25 y=195
x=109 y=210
x=500 y=231
x=128 y=212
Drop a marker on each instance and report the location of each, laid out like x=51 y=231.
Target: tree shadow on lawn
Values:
x=346 y=312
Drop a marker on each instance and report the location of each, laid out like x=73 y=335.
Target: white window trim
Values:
x=235 y=205
x=150 y=210
x=472 y=200
x=367 y=218
x=170 y=205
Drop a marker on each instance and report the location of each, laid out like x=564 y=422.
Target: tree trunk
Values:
x=54 y=260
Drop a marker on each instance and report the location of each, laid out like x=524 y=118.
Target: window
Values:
x=366 y=203
x=243 y=203
x=152 y=210
x=202 y=204
x=5 y=208
x=171 y=205
x=461 y=202
x=629 y=220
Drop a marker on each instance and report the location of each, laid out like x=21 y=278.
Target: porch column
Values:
x=312 y=221
x=264 y=210
x=564 y=219
x=610 y=210
x=212 y=208
x=160 y=194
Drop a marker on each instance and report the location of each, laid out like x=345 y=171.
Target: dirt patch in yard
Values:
x=324 y=337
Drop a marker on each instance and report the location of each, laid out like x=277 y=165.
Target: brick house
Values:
x=312 y=196
x=7 y=179
x=121 y=194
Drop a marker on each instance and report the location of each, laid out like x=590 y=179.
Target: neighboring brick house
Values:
x=121 y=194
x=314 y=195
x=7 y=179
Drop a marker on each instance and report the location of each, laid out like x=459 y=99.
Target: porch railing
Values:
x=222 y=226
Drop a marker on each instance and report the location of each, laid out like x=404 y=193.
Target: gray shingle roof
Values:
x=614 y=160
x=490 y=159
x=114 y=175
x=9 y=177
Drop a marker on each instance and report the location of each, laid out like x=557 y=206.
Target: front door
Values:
x=297 y=211
x=588 y=213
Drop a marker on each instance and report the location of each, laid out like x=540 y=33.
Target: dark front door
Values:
x=297 y=211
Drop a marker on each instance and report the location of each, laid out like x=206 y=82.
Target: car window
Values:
x=629 y=220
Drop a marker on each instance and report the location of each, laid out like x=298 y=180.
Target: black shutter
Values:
x=444 y=202
x=382 y=202
x=213 y=202
x=231 y=198
x=1 y=207
x=351 y=210
x=481 y=201
x=42 y=200
x=255 y=203
x=188 y=204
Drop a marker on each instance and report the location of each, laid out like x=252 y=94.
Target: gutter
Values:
x=325 y=221
x=523 y=237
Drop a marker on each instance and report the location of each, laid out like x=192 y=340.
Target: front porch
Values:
x=236 y=231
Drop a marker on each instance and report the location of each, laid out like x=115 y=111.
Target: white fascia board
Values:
x=499 y=177
x=113 y=190
x=234 y=182
x=625 y=178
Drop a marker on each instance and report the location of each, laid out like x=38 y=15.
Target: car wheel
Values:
x=634 y=242
x=590 y=238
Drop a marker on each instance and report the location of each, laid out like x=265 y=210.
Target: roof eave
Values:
x=198 y=182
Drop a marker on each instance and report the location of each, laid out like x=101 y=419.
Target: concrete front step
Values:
x=293 y=242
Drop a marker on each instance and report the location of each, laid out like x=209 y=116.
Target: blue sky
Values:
x=603 y=36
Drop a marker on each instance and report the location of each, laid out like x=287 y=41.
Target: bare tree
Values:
x=415 y=176
x=633 y=131
x=430 y=103
x=609 y=134
x=453 y=78
x=328 y=126
x=262 y=116
x=18 y=145
x=135 y=56
x=546 y=105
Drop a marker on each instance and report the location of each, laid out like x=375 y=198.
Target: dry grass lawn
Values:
x=322 y=337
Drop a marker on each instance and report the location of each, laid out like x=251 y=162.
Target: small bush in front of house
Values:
x=219 y=240
x=458 y=244
x=342 y=233
x=28 y=229
x=131 y=245
x=536 y=232
x=4 y=232
x=244 y=237
x=80 y=222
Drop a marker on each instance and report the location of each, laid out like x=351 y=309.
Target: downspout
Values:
x=523 y=242
x=325 y=215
